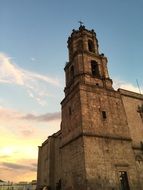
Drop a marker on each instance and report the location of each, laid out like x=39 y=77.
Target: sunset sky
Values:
x=33 y=53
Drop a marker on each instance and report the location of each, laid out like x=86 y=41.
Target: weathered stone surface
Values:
x=99 y=145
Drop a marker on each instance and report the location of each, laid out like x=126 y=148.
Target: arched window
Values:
x=72 y=72
x=95 y=69
x=91 y=46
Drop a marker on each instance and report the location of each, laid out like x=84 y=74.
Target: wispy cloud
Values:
x=10 y=114
x=17 y=172
x=14 y=166
x=34 y=83
x=26 y=130
x=27 y=125
x=45 y=117
x=4 y=156
x=33 y=59
x=127 y=86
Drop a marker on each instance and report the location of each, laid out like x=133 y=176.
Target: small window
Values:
x=104 y=116
x=94 y=68
x=91 y=46
x=124 y=184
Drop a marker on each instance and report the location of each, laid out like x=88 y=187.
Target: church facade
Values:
x=100 y=143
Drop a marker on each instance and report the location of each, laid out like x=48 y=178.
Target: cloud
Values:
x=16 y=176
x=125 y=85
x=11 y=171
x=4 y=169
x=26 y=130
x=35 y=165
x=44 y=117
x=7 y=114
x=21 y=134
x=4 y=156
x=33 y=59
x=26 y=127
x=34 y=83
x=14 y=166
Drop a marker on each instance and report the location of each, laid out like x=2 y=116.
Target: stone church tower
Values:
x=94 y=148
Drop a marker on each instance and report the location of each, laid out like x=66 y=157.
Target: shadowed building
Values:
x=99 y=145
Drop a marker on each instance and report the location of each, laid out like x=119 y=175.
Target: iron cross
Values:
x=81 y=23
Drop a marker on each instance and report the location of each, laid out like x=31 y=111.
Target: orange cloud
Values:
x=21 y=134
x=17 y=171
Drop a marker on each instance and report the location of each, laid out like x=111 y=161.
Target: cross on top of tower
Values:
x=81 y=23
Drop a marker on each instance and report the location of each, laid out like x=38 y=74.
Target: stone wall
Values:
x=103 y=112
x=43 y=164
x=104 y=159
x=71 y=116
x=101 y=129
x=73 y=166
x=57 y=170
x=131 y=101
x=49 y=162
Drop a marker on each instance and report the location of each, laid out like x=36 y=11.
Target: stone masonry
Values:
x=100 y=143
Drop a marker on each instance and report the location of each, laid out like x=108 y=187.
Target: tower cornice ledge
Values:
x=92 y=134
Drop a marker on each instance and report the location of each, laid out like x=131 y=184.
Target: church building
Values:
x=100 y=143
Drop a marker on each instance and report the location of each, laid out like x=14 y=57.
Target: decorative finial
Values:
x=81 y=23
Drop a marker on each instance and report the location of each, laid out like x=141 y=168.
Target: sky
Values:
x=33 y=53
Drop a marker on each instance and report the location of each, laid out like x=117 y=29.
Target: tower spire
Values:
x=86 y=64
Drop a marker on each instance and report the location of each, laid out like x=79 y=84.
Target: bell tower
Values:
x=94 y=130
x=86 y=64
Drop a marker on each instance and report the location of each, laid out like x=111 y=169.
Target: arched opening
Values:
x=95 y=69
x=91 y=46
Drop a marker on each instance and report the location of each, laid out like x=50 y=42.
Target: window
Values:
x=104 y=116
x=94 y=68
x=124 y=184
x=91 y=46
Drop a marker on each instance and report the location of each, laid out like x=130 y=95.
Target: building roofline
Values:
x=130 y=94
x=54 y=135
